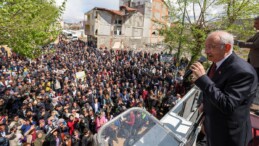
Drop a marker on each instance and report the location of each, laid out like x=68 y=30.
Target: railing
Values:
x=187 y=107
x=183 y=119
x=137 y=127
x=87 y=22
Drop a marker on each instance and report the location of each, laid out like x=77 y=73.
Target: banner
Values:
x=166 y=58
x=80 y=75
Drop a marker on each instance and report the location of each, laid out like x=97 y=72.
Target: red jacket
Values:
x=71 y=125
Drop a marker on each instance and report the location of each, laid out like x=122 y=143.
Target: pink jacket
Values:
x=99 y=122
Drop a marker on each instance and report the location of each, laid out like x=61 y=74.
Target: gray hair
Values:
x=225 y=38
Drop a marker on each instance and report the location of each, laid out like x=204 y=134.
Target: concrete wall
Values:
x=133 y=25
x=120 y=42
x=127 y=27
x=159 y=13
x=147 y=19
x=104 y=23
x=141 y=2
x=103 y=41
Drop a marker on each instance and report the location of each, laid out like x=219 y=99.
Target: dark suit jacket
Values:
x=98 y=107
x=226 y=100
x=253 y=44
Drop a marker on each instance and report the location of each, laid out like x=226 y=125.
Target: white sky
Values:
x=75 y=9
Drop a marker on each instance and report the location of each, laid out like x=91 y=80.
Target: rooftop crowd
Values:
x=43 y=102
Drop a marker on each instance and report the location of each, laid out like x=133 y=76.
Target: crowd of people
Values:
x=44 y=101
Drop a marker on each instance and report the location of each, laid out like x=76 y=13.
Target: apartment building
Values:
x=133 y=25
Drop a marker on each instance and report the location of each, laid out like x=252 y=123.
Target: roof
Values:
x=117 y=12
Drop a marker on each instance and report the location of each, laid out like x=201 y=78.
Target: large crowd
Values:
x=44 y=101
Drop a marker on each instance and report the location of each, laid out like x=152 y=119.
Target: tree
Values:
x=27 y=25
x=203 y=16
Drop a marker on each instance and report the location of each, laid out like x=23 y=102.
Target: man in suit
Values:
x=96 y=105
x=253 y=45
x=228 y=91
x=253 y=56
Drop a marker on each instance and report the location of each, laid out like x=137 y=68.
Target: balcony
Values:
x=87 y=29
x=87 y=22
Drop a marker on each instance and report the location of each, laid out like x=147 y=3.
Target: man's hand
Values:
x=197 y=71
x=236 y=42
x=32 y=127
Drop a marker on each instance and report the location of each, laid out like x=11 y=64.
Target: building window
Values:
x=118 y=21
x=117 y=30
x=155 y=33
x=88 y=17
x=96 y=15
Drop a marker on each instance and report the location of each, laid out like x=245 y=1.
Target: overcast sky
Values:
x=75 y=9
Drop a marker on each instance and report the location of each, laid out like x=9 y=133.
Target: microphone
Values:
x=189 y=72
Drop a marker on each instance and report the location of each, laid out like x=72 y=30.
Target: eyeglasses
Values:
x=213 y=46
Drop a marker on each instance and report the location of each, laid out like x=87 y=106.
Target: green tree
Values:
x=27 y=25
x=199 y=18
x=238 y=16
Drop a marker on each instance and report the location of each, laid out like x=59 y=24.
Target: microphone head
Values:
x=202 y=59
x=189 y=72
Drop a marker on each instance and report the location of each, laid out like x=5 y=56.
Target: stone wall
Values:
x=120 y=42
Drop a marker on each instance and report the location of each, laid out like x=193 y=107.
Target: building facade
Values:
x=132 y=26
